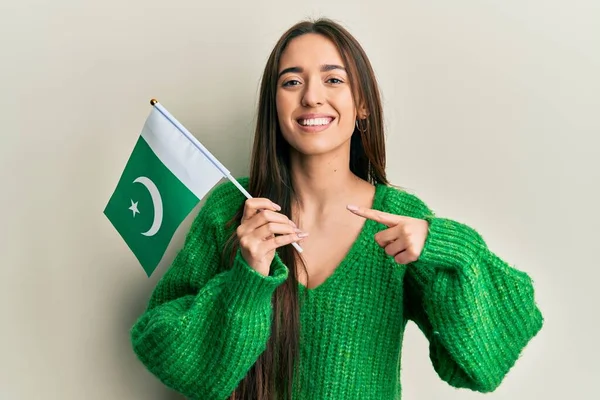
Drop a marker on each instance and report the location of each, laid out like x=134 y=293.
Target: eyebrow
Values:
x=298 y=70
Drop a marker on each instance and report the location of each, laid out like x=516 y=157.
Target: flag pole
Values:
x=206 y=153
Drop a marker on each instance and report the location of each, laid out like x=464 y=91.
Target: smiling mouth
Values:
x=315 y=121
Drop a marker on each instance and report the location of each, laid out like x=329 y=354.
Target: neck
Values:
x=322 y=183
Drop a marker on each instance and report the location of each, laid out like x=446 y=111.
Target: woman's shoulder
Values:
x=224 y=200
x=401 y=201
x=227 y=189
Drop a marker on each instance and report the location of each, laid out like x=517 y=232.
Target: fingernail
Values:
x=303 y=234
x=276 y=206
x=352 y=207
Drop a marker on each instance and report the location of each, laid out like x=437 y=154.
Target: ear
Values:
x=361 y=111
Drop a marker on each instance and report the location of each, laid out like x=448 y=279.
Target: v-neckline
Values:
x=355 y=249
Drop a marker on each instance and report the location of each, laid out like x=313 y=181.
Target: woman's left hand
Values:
x=405 y=237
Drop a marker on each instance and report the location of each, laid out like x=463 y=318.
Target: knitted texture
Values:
x=208 y=321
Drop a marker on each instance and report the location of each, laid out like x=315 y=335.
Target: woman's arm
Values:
x=204 y=328
x=477 y=311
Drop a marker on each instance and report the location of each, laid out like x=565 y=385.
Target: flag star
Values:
x=134 y=208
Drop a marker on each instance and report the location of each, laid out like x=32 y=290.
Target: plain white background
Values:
x=492 y=118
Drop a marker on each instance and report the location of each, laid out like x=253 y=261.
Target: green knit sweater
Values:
x=208 y=322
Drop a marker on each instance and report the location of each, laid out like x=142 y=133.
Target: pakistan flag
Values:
x=167 y=174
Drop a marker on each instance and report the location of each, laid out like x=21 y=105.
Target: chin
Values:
x=319 y=148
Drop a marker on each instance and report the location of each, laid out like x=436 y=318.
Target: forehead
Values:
x=310 y=50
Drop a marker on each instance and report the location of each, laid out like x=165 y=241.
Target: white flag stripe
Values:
x=180 y=155
x=192 y=139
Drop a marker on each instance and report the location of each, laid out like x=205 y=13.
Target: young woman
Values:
x=241 y=314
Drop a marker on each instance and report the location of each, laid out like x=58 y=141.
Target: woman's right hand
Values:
x=257 y=233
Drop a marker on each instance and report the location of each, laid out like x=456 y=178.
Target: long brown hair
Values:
x=271 y=377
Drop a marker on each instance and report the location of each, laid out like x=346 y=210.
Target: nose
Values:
x=314 y=94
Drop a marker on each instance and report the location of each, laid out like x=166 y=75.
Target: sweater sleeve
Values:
x=476 y=310
x=205 y=327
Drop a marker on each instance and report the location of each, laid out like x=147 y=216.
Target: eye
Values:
x=291 y=82
x=335 y=81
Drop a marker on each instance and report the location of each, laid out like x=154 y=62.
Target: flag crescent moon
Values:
x=157 y=203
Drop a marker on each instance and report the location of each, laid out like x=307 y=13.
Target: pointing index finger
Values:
x=379 y=216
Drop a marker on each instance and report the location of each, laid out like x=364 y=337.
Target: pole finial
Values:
x=153 y=101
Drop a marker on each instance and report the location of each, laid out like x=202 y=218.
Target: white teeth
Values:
x=315 y=121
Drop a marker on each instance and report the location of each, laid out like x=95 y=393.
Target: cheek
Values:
x=347 y=115
x=284 y=109
x=346 y=107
